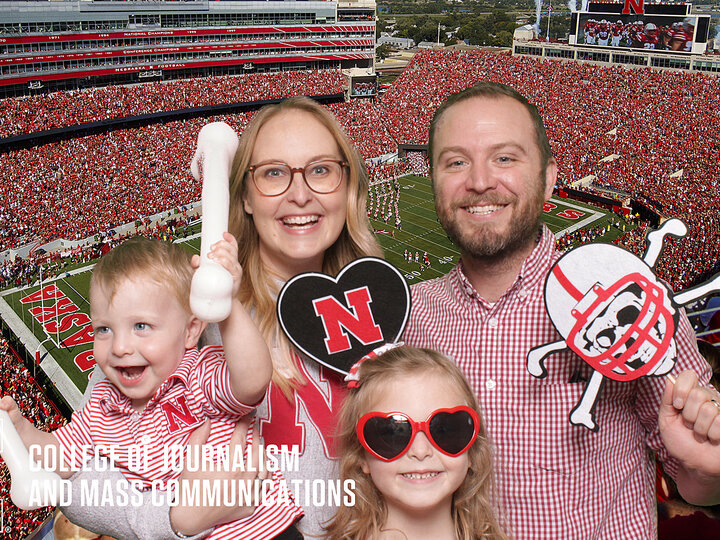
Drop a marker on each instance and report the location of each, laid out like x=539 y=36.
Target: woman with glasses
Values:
x=298 y=190
x=297 y=204
x=298 y=196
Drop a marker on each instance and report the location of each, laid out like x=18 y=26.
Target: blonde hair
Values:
x=160 y=262
x=472 y=510
x=260 y=287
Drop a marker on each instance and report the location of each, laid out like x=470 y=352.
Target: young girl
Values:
x=413 y=441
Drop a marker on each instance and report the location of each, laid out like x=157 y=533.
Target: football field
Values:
x=53 y=320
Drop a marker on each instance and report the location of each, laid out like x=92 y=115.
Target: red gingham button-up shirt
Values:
x=554 y=479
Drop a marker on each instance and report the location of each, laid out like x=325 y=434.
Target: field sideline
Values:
x=58 y=313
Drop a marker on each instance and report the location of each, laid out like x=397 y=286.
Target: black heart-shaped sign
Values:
x=337 y=321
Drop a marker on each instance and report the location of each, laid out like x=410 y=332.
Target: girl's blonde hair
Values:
x=260 y=286
x=472 y=510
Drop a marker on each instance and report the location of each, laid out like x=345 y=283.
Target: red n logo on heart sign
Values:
x=336 y=317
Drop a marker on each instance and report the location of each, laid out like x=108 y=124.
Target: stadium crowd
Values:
x=419 y=163
x=660 y=128
x=76 y=188
x=17 y=381
x=363 y=124
x=25 y=271
x=62 y=109
x=648 y=133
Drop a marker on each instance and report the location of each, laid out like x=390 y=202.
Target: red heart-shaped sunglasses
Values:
x=387 y=436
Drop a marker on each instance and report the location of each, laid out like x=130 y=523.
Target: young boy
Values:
x=159 y=388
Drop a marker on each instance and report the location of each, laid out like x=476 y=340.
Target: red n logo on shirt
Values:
x=359 y=322
x=177 y=412
x=321 y=402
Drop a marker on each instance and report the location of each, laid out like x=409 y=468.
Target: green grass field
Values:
x=57 y=321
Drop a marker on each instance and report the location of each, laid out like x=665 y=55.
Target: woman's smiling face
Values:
x=297 y=227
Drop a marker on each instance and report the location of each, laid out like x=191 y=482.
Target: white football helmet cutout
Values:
x=613 y=312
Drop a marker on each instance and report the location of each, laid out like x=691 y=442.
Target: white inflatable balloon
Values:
x=29 y=489
x=211 y=291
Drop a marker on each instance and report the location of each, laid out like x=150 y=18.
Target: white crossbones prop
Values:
x=211 y=291
x=613 y=312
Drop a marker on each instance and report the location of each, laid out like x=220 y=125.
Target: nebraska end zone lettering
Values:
x=49 y=292
x=571 y=214
x=63 y=322
x=567 y=213
x=67 y=322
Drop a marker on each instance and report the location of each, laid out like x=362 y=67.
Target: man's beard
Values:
x=484 y=242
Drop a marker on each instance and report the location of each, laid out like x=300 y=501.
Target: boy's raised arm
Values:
x=246 y=353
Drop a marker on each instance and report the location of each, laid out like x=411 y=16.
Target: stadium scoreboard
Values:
x=669 y=27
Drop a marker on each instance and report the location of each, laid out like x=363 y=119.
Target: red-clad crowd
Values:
x=18 y=382
x=365 y=127
x=62 y=109
x=657 y=127
x=76 y=188
x=25 y=271
x=419 y=163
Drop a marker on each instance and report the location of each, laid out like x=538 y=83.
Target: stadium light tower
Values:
x=549 y=12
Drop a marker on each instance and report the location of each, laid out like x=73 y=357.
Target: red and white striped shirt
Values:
x=554 y=479
x=198 y=389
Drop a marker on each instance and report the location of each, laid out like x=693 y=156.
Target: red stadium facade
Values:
x=61 y=45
